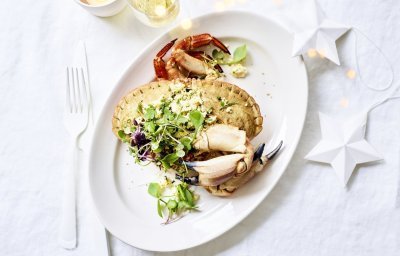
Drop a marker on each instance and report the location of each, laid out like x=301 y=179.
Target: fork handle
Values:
x=67 y=238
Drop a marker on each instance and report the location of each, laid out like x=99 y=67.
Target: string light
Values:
x=321 y=53
x=351 y=73
x=344 y=102
x=312 y=53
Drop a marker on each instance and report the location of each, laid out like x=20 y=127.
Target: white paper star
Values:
x=321 y=36
x=343 y=145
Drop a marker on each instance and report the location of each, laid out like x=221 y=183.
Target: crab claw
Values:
x=216 y=170
x=259 y=151
x=273 y=153
x=222 y=137
x=193 y=180
x=228 y=187
x=225 y=138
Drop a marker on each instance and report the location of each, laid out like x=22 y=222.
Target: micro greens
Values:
x=175 y=204
x=197 y=119
x=163 y=133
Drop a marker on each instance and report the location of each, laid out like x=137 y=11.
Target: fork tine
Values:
x=85 y=104
x=67 y=94
x=73 y=96
x=78 y=92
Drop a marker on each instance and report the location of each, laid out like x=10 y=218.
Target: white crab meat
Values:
x=190 y=63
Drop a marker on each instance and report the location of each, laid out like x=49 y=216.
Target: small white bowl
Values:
x=108 y=9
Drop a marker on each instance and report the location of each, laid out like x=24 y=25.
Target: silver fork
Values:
x=75 y=121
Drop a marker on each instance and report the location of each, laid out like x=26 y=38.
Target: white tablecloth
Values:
x=308 y=213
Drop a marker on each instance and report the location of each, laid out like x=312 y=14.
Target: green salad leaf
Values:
x=186 y=142
x=183 y=200
x=172 y=204
x=159 y=208
x=150 y=113
x=169 y=160
x=197 y=119
x=239 y=54
x=154 y=189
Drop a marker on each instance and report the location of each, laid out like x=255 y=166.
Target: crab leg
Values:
x=192 y=42
x=158 y=62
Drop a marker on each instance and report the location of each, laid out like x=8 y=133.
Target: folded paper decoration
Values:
x=320 y=35
x=343 y=145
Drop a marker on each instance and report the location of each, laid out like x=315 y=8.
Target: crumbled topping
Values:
x=238 y=70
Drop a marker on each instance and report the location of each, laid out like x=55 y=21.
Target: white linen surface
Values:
x=308 y=213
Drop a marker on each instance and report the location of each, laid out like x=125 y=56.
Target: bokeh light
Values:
x=277 y=2
x=321 y=53
x=186 y=24
x=344 y=102
x=229 y=2
x=219 y=6
x=351 y=73
x=312 y=53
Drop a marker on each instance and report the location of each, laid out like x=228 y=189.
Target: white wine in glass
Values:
x=155 y=13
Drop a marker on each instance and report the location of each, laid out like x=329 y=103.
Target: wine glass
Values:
x=155 y=13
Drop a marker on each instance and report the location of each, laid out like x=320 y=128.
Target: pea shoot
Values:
x=174 y=205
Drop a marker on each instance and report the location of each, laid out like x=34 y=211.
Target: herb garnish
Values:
x=222 y=58
x=225 y=103
x=163 y=133
x=182 y=200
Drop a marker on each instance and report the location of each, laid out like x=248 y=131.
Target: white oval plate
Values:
x=279 y=84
